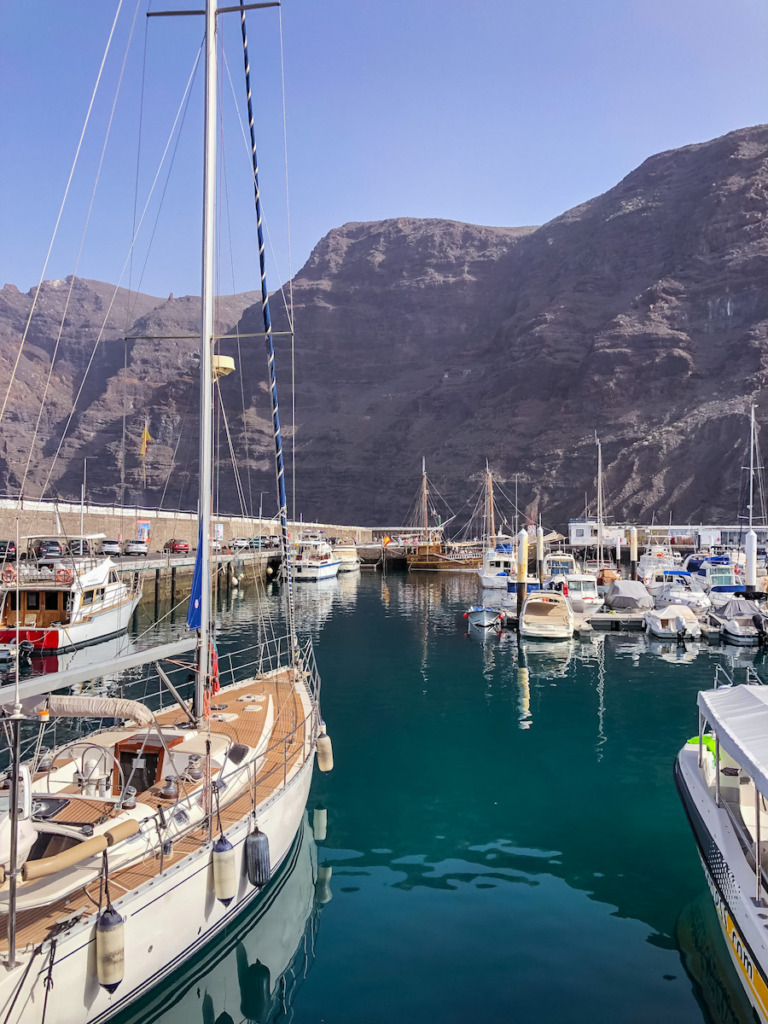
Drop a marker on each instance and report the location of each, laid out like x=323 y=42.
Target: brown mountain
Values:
x=640 y=315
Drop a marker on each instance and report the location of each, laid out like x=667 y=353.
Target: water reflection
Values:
x=254 y=970
x=673 y=652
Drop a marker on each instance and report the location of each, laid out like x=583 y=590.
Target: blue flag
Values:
x=194 y=619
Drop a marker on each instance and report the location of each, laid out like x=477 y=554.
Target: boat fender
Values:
x=257 y=865
x=256 y=988
x=224 y=871
x=324 y=752
x=64 y=576
x=319 y=823
x=323 y=892
x=466 y=615
x=9 y=575
x=110 y=949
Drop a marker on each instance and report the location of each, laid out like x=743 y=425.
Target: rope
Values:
x=49 y=977
x=279 y=467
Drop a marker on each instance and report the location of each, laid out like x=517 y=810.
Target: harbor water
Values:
x=503 y=835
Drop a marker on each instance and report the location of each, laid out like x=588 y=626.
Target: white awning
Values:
x=739 y=717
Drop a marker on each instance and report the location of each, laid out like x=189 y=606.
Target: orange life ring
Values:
x=64 y=576
x=9 y=575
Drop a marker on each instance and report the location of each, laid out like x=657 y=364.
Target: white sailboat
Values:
x=125 y=850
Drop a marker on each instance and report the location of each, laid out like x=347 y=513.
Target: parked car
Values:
x=240 y=542
x=7 y=550
x=135 y=547
x=254 y=543
x=271 y=542
x=110 y=547
x=176 y=546
x=46 y=549
x=215 y=545
x=79 y=548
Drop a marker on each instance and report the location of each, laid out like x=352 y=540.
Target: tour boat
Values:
x=722 y=779
x=63 y=602
x=126 y=849
x=546 y=616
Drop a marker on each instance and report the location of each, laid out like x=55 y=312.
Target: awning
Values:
x=739 y=717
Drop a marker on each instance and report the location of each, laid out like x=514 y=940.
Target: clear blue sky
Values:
x=503 y=112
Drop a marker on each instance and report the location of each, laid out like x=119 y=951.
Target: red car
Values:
x=178 y=547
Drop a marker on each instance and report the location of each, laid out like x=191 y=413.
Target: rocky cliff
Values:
x=641 y=315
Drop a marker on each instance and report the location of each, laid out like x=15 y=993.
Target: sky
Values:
x=497 y=112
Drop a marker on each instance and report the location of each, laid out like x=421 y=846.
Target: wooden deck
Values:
x=285 y=750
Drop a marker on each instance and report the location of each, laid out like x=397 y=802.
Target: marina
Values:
x=503 y=834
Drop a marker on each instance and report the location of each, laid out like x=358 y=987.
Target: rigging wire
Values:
x=61 y=207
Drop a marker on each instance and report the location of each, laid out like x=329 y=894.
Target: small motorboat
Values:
x=740 y=622
x=546 y=615
x=481 y=616
x=675 y=622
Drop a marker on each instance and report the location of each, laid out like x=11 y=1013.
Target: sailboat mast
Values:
x=424 y=505
x=751 y=464
x=491 y=518
x=206 y=351
x=599 y=505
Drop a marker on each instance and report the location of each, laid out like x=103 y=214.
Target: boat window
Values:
x=33 y=600
x=12 y=603
x=100 y=594
x=87 y=597
x=112 y=576
x=720 y=577
x=51 y=600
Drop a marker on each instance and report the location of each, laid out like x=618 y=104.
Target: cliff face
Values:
x=641 y=315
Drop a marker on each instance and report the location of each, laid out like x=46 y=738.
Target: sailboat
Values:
x=431 y=552
x=126 y=849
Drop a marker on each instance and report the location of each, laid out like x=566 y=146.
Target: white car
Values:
x=135 y=547
x=110 y=547
x=239 y=542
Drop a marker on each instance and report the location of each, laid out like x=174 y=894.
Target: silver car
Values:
x=135 y=547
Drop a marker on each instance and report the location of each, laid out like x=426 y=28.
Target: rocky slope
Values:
x=641 y=315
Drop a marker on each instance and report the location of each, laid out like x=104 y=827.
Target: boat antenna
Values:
x=279 y=464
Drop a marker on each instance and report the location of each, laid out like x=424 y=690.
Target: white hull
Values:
x=155 y=943
x=484 y=618
x=311 y=572
x=730 y=878
x=498 y=582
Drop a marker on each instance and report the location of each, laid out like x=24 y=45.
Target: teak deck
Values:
x=284 y=750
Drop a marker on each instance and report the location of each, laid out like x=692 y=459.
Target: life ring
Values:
x=64 y=576
x=9 y=575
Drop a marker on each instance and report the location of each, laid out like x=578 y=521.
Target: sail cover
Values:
x=78 y=706
x=194 y=612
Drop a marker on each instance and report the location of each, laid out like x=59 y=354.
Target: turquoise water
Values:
x=502 y=848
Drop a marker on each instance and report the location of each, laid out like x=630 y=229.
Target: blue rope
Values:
x=279 y=465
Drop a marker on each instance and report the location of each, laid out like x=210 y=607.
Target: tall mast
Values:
x=491 y=519
x=424 y=504
x=751 y=464
x=206 y=351
x=599 y=504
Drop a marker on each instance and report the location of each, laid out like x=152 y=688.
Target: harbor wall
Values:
x=48 y=518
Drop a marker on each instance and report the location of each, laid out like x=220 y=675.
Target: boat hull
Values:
x=156 y=944
x=53 y=639
x=311 y=573
x=730 y=879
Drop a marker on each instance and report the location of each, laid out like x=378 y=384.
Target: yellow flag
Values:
x=145 y=439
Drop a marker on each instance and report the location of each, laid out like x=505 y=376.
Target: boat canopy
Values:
x=739 y=716
x=739 y=606
x=628 y=595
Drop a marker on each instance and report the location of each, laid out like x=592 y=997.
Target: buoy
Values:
x=324 y=752
x=8 y=575
x=257 y=857
x=224 y=873
x=323 y=892
x=466 y=615
x=110 y=949
x=319 y=824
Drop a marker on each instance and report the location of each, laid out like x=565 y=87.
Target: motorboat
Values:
x=719 y=578
x=675 y=622
x=499 y=564
x=546 y=615
x=484 y=617
x=558 y=563
x=581 y=590
x=740 y=621
x=655 y=558
x=59 y=602
x=721 y=776
x=674 y=586
x=347 y=553
x=628 y=596
x=314 y=560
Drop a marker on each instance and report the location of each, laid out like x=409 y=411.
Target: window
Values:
x=51 y=600
x=33 y=600
x=87 y=597
x=112 y=576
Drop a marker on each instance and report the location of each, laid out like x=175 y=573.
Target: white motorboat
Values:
x=64 y=602
x=484 y=617
x=722 y=779
x=315 y=560
x=675 y=622
x=499 y=565
x=125 y=850
x=719 y=579
x=740 y=621
x=655 y=558
x=347 y=554
x=546 y=616
x=558 y=563
x=675 y=586
x=581 y=590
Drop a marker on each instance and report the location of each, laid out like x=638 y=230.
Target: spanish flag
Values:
x=145 y=439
